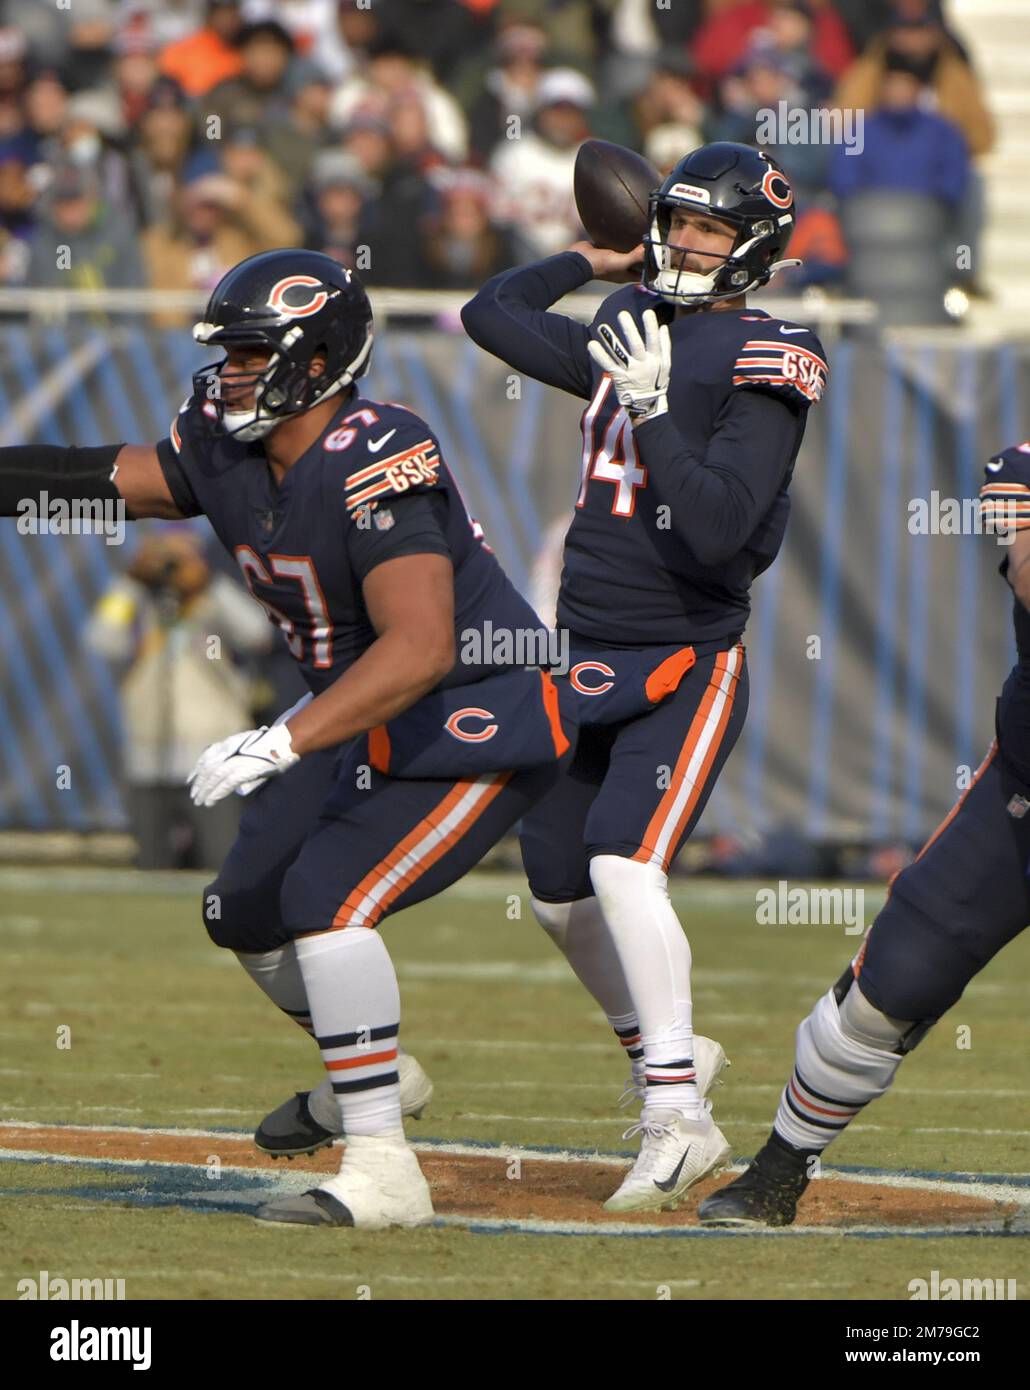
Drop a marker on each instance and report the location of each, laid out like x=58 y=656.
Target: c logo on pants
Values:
x=577 y=684
x=453 y=725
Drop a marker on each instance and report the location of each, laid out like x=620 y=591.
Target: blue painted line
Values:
x=488 y=494
x=967 y=569
x=761 y=660
x=1008 y=400
x=44 y=629
x=97 y=556
x=526 y=449
x=917 y=624
x=891 y=523
x=820 y=756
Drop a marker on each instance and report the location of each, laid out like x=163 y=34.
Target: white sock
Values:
x=278 y=974
x=655 y=957
x=355 y=1008
x=580 y=932
x=840 y=1066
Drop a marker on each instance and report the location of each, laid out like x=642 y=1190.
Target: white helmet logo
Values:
x=314 y=301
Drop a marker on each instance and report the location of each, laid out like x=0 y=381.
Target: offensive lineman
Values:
x=696 y=411
x=964 y=897
x=350 y=531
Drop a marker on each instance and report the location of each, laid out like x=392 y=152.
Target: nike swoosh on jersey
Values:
x=374 y=445
x=792 y=330
x=667 y=1184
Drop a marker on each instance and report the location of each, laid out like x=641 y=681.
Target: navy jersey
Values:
x=1005 y=510
x=674 y=519
x=372 y=487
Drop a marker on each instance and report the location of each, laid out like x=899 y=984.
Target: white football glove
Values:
x=639 y=367
x=241 y=763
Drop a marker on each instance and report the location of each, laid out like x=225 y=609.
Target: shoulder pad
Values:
x=1005 y=495
x=397 y=456
x=783 y=358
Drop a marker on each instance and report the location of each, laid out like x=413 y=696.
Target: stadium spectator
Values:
x=359 y=26
x=918 y=36
x=80 y=242
x=46 y=109
x=720 y=44
x=392 y=71
x=788 y=41
x=340 y=195
x=765 y=79
x=534 y=173
x=294 y=141
x=508 y=87
x=260 y=94
x=162 y=141
x=214 y=223
x=156 y=623
x=91 y=26
x=91 y=137
x=445 y=33
x=263 y=199
x=208 y=56
x=462 y=246
x=576 y=29
x=313 y=26
x=17 y=216
x=135 y=71
x=906 y=146
x=665 y=116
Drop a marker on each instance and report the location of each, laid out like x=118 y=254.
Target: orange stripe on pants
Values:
x=351 y=907
x=656 y=825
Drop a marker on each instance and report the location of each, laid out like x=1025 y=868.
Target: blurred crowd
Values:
x=431 y=142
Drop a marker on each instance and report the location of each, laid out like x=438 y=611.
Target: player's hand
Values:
x=241 y=763
x=639 y=367
x=620 y=267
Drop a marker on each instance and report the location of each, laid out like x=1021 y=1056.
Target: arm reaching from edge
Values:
x=126 y=473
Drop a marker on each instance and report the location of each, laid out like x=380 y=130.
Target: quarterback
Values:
x=695 y=410
x=378 y=789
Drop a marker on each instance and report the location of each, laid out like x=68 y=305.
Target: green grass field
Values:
x=165 y=1030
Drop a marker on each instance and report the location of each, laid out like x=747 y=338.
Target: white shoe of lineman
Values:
x=310 y=1120
x=709 y=1062
x=379 y=1184
x=675 y=1153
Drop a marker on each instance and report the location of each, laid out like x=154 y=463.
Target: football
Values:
x=612 y=185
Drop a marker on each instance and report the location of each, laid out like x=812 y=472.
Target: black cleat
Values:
x=766 y=1195
x=292 y=1130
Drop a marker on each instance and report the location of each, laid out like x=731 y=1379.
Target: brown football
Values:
x=612 y=186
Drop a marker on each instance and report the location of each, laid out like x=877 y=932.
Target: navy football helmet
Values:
x=735 y=184
x=299 y=305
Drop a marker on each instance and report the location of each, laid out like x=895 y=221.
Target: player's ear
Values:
x=316 y=367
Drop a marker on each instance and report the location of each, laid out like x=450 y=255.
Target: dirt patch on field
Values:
x=496 y=1186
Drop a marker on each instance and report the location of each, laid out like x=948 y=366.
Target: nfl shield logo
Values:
x=1018 y=806
x=382 y=518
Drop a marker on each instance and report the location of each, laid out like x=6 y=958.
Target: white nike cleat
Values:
x=310 y=1120
x=379 y=1184
x=709 y=1062
x=675 y=1153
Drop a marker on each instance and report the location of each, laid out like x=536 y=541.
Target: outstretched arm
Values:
x=129 y=473
x=509 y=318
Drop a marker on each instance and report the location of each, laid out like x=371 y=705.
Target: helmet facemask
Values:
x=743 y=269
x=283 y=388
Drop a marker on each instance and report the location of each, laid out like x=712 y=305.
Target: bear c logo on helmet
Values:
x=780 y=197
x=311 y=305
